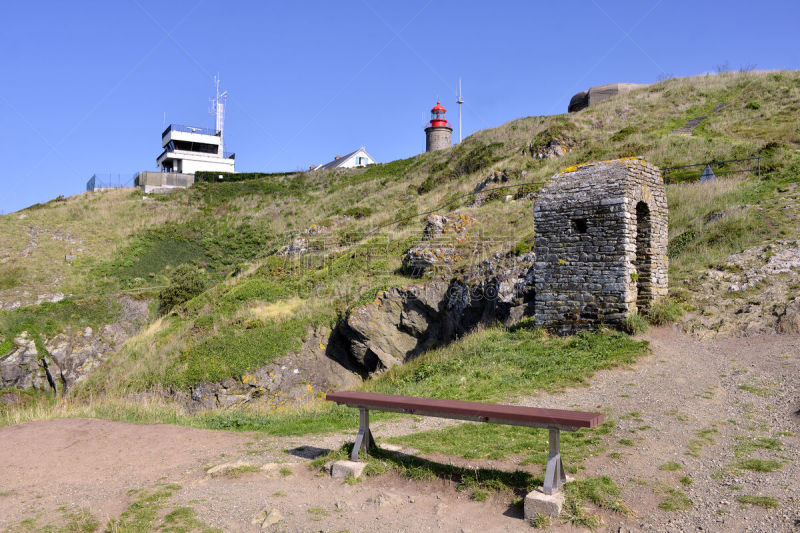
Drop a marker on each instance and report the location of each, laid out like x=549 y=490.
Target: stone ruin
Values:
x=600 y=245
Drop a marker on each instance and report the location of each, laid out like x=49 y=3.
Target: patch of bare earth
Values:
x=705 y=405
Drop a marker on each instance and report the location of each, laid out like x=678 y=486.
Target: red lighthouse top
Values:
x=438 y=117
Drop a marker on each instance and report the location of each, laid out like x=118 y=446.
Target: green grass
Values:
x=636 y=324
x=664 y=311
x=10 y=276
x=704 y=438
x=147 y=513
x=498 y=363
x=746 y=445
x=671 y=466
x=479 y=495
x=540 y=521
x=759 y=465
x=492 y=441
x=235 y=351
x=495 y=364
x=758 y=391
x=600 y=491
x=415 y=468
x=71 y=520
x=240 y=470
x=767 y=502
x=675 y=500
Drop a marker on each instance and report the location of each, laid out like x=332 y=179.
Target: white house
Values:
x=358 y=158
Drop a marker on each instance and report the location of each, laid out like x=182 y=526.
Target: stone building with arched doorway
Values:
x=601 y=244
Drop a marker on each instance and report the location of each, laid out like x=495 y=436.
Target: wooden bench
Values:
x=553 y=419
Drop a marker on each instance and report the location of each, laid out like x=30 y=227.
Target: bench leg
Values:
x=554 y=476
x=364 y=438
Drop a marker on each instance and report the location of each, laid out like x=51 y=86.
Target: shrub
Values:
x=10 y=276
x=358 y=212
x=664 y=312
x=429 y=183
x=208 y=176
x=525 y=245
x=259 y=289
x=636 y=324
x=753 y=105
x=623 y=133
x=185 y=283
x=478 y=158
x=236 y=350
x=678 y=244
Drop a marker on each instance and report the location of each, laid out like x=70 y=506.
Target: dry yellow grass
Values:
x=275 y=311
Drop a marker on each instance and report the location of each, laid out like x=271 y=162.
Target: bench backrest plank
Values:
x=477 y=411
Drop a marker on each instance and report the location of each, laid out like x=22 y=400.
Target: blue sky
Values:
x=86 y=85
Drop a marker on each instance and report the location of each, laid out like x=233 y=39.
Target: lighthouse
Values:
x=438 y=131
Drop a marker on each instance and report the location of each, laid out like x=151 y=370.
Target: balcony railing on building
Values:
x=170 y=149
x=189 y=129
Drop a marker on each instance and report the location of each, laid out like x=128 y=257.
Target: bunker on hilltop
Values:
x=601 y=244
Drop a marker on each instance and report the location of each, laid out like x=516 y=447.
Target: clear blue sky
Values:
x=85 y=85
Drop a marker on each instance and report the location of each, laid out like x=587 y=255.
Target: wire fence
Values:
x=712 y=169
x=110 y=181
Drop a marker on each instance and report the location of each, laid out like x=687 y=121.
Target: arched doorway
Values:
x=644 y=259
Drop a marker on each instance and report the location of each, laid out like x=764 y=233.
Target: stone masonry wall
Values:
x=437 y=138
x=590 y=269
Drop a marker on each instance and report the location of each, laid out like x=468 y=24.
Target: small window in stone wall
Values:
x=579 y=225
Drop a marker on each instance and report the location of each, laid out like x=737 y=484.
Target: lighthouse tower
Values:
x=438 y=131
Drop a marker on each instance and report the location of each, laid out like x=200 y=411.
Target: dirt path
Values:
x=700 y=404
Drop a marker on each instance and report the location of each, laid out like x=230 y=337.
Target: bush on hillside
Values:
x=185 y=283
x=358 y=212
x=664 y=311
x=208 y=176
x=636 y=324
x=678 y=244
x=479 y=158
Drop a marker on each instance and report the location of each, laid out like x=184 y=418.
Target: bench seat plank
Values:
x=478 y=411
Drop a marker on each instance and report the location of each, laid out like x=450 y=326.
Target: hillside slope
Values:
x=286 y=257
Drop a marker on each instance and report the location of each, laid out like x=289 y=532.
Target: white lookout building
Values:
x=189 y=149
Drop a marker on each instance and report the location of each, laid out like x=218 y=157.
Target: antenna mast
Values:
x=218 y=109
x=459 y=101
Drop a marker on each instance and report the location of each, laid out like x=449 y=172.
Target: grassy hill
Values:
x=259 y=305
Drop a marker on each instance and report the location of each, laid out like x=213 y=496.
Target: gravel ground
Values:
x=694 y=402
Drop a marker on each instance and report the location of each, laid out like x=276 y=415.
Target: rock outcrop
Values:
x=398 y=325
x=294 y=379
x=23 y=368
x=438 y=247
x=403 y=322
x=60 y=362
x=300 y=245
x=65 y=360
x=554 y=148
x=760 y=293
